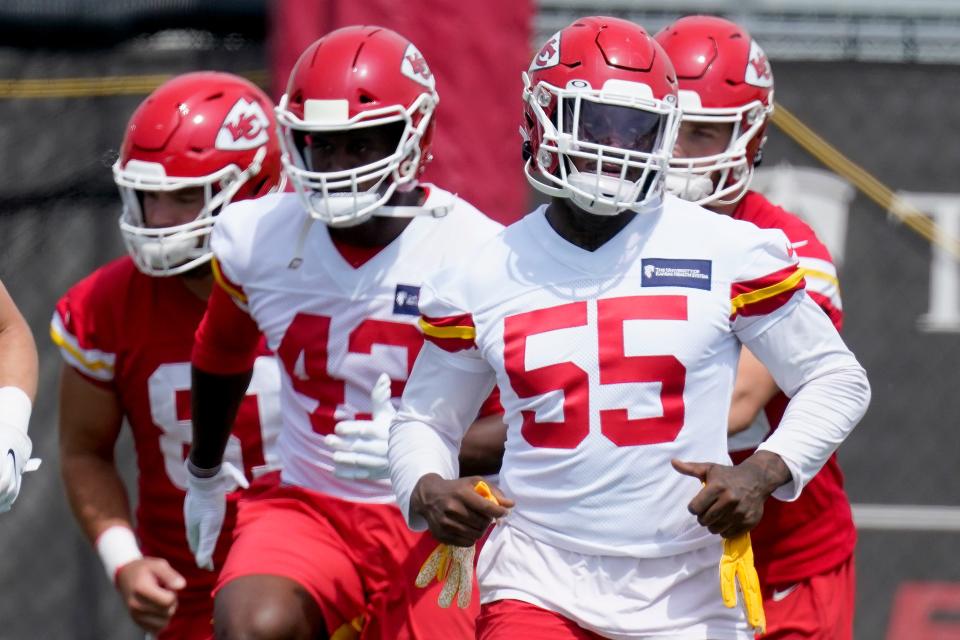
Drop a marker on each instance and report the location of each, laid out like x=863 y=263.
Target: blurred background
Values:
x=865 y=146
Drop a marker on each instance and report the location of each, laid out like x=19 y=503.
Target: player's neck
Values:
x=585 y=230
x=379 y=232
x=725 y=209
x=199 y=281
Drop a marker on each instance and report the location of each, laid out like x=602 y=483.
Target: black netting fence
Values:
x=58 y=221
x=58 y=211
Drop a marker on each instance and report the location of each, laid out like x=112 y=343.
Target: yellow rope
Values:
x=30 y=88
x=864 y=181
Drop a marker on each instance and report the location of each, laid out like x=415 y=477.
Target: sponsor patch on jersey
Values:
x=667 y=272
x=405 y=300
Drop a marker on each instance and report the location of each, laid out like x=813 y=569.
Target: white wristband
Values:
x=117 y=547
x=15 y=408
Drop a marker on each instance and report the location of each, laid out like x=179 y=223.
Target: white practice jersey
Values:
x=334 y=327
x=611 y=363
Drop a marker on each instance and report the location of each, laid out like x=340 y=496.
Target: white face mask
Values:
x=599 y=194
x=166 y=251
x=689 y=186
x=166 y=254
x=722 y=178
x=170 y=251
x=619 y=137
x=348 y=197
x=344 y=209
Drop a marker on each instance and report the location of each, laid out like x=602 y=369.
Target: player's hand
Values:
x=205 y=507
x=360 y=446
x=149 y=588
x=15 y=448
x=731 y=500
x=454 y=512
x=452 y=566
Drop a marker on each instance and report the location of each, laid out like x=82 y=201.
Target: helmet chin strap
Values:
x=336 y=205
x=407 y=211
x=438 y=210
x=689 y=186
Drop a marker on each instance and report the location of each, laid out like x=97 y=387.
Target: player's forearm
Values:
x=442 y=397
x=828 y=388
x=18 y=351
x=753 y=389
x=818 y=418
x=481 y=452
x=95 y=491
x=215 y=400
x=416 y=450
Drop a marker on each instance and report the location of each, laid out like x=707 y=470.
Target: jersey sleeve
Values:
x=231 y=243
x=823 y=285
x=227 y=339
x=828 y=389
x=769 y=284
x=449 y=383
x=84 y=336
x=444 y=320
x=492 y=405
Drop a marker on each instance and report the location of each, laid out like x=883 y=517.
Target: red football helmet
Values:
x=600 y=116
x=354 y=78
x=724 y=77
x=205 y=129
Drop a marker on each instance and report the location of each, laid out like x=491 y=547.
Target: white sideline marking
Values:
x=906 y=517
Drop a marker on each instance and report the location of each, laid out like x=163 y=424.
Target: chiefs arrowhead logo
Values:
x=414 y=66
x=418 y=65
x=758 y=72
x=245 y=127
x=549 y=54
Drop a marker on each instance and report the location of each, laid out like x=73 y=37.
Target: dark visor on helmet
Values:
x=626 y=128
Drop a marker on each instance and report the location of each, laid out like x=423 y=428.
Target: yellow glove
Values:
x=349 y=630
x=453 y=566
x=736 y=565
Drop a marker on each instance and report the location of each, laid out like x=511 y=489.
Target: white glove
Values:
x=15 y=448
x=360 y=446
x=205 y=507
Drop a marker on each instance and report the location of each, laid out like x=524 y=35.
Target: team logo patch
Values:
x=758 y=71
x=245 y=127
x=549 y=54
x=405 y=300
x=414 y=66
x=666 y=272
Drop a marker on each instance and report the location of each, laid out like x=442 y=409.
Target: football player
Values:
x=803 y=549
x=18 y=389
x=197 y=143
x=331 y=274
x=611 y=319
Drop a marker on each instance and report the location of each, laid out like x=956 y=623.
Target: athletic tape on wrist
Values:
x=200 y=472
x=15 y=408
x=117 y=547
